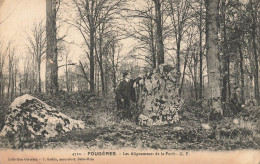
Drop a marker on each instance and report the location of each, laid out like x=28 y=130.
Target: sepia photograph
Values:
x=130 y=81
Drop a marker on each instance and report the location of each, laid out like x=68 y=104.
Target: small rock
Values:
x=177 y=128
x=236 y=121
x=205 y=126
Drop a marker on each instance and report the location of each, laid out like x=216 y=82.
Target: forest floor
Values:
x=104 y=130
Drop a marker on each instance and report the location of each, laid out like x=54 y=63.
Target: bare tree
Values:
x=143 y=30
x=3 y=55
x=180 y=13
x=92 y=15
x=115 y=50
x=12 y=62
x=36 y=47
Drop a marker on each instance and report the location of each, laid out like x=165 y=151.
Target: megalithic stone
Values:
x=159 y=100
x=30 y=119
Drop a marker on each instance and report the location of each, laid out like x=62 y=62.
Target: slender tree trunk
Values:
x=212 y=57
x=20 y=85
x=34 y=81
x=15 y=82
x=1 y=81
x=101 y=61
x=201 y=55
x=97 y=81
x=254 y=34
x=102 y=80
x=183 y=73
x=1 y=76
x=106 y=76
x=9 y=75
x=67 y=75
x=12 y=87
x=3 y=88
x=226 y=57
x=228 y=80
x=242 y=78
x=39 y=77
x=114 y=66
x=153 y=45
x=195 y=77
x=91 y=59
x=237 y=72
x=178 y=51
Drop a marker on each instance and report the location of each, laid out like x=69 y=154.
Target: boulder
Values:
x=31 y=118
x=158 y=98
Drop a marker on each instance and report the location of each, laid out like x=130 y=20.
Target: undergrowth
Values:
x=104 y=128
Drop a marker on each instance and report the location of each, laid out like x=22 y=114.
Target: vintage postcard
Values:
x=129 y=81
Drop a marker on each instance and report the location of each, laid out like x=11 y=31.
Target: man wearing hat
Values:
x=125 y=94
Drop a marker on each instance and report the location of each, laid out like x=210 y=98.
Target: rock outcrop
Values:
x=31 y=118
x=159 y=100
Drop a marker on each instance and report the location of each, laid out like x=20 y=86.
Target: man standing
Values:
x=236 y=100
x=125 y=94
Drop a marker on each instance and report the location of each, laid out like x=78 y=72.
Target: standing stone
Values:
x=159 y=100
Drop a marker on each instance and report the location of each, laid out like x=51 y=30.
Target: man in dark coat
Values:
x=125 y=95
x=236 y=100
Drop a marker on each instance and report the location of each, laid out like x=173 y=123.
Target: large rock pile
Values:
x=30 y=118
x=158 y=97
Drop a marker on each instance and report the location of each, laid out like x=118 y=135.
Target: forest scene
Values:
x=144 y=74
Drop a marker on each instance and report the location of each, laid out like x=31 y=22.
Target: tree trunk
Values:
x=159 y=33
x=254 y=34
x=201 y=54
x=102 y=80
x=153 y=49
x=195 y=65
x=1 y=82
x=9 y=75
x=212 y=57
x=12 y=86
x=15 y=82
x=100 y=62
x=1 y=76
x=178 y=51
x=242 y=78
x=51 y=49
x=106 y=76
x=183 y=73
x=39 y=77
x=20 y=85
x=67 y=75
x=34 y=81
x=91 y=60
x=97 y=81
x=225 y=55
x=114 y=66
